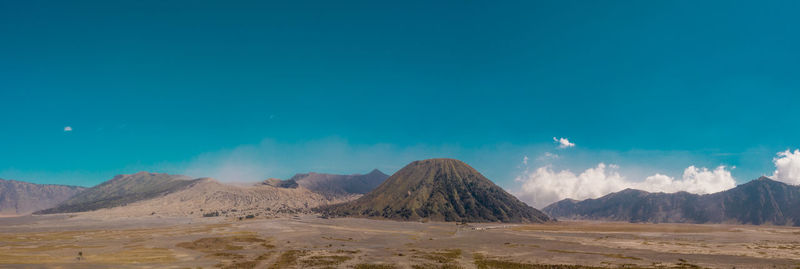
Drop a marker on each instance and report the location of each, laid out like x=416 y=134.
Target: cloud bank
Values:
x=694 y=180
x=787 y=167
x=544 y=186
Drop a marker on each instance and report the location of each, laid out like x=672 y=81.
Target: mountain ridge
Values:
x=207 y=197
x=122 y=190
x=20 y=197
x=760 y=201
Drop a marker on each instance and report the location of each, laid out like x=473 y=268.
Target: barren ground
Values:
x=306 y=241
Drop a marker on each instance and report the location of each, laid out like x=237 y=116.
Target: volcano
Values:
x=439 y=190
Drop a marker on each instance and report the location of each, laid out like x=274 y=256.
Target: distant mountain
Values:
x=338 y=185
x=631 y=205
x=122 y=190
x=288 y=184
x=20 y=198
x=761 y=201
x=439 y=190
x=208 y=198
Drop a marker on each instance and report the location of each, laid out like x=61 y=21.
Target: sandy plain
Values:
x=308 y=241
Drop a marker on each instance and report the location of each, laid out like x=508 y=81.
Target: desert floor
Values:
x=307 y=241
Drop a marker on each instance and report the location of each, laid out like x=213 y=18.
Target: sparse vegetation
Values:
x=610 y=255
x=337 y=239
x=240 y=265
x=226 y=255
x=264 y=256
x=374 y=266
x=133 y=255
x=347 y=251
x=211 y=244
x=224 y=248
x=223 y=243
x=211 y=214
x=288 y=258
x=435 y=266
x=483 y=262
x=445 y=256
x=325 y=260
x=441 y=259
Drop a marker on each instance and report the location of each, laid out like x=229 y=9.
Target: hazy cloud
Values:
x=548 y=156
x=68 y=129
x=787 y=167
x=563 y=143
x=254 y=162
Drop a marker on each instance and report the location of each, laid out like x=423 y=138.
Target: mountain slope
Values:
x=758 y=202
x=761 y=201
x=340 y=185
x=122 y=190
x=207 y=197
x=440 y=190
x=19 y=198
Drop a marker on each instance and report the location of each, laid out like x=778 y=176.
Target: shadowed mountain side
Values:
x=332 y=185
x=439 y=190
x=20 y=198
x=207 y=197
x=761 y=201
x=122 y=190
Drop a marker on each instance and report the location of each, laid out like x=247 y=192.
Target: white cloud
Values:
x=694 y=180
x=68 y=129
x=544 y=185
x=787 y=167
x=563 y=143
x=525 y=160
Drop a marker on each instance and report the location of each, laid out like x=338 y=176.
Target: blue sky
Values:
x=268 y=89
